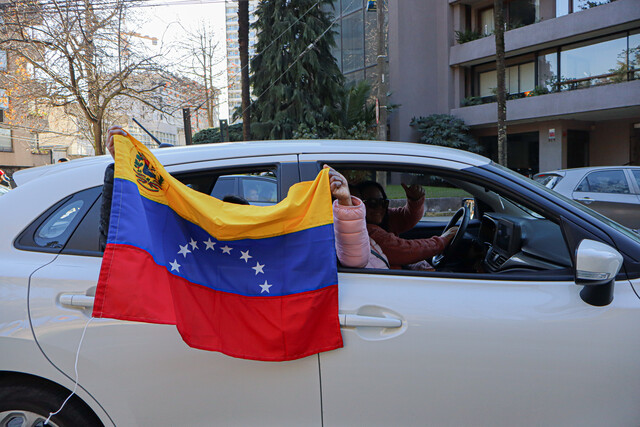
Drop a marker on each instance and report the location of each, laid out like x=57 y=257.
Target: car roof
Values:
x=586 y=169
x=205 y=152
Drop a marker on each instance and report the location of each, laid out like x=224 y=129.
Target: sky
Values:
x=166 y=22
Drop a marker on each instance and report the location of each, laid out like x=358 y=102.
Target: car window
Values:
x=504 y=238
x=609 y=181
x=636 y=175
x=258 y=189
x=51 y=230
x=224 y=186
x=548 y=180
x=85 y=240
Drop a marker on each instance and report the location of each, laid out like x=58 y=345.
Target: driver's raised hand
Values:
x=111 y=132
x=449 y=235
x=413 y=192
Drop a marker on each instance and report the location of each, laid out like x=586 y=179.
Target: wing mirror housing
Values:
x=597 y=265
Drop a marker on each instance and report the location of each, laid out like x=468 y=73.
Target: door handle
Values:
x=76 y=300
x=586 y=200
x=355 y=320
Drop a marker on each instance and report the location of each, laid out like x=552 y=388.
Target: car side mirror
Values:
x=597 y=265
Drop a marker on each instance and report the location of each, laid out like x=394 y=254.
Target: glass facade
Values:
x=594 y=64
x=355 y=36
x=611 y=59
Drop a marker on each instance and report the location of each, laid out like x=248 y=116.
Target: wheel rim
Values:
x=21 y=418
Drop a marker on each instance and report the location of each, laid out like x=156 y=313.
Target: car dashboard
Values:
x=521 y=244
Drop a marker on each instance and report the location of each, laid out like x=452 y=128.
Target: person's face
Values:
x=375 y=203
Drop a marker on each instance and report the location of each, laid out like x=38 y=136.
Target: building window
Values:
x=353 y=43
x=517 y=13
x=487 y=25
x=594 y=64
x=634 y=55
x=519 y=79
x=548 y=70
x=5 y=140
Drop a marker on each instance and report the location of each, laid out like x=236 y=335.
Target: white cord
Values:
x=75 y=387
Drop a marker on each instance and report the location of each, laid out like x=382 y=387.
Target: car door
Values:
x=609 y=192
x=456 y=349
x=144 y=374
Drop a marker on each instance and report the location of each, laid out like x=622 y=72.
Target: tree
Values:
x=199 y=63
x=212 y=135
x=80 y=56
x=445 y=130
x=296 y=78
x=357 y=118
x=501 y=90
x=243 y=47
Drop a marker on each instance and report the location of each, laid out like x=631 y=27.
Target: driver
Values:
x=384 y=225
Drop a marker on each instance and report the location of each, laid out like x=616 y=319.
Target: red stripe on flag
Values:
x=259 y=328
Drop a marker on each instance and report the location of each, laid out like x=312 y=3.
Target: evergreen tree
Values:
x=296 y=79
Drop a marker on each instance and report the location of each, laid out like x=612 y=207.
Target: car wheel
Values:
x=27 y=405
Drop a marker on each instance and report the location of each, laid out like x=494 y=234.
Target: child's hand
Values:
x=339 y=187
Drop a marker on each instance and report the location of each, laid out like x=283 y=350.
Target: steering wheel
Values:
x=446 y=256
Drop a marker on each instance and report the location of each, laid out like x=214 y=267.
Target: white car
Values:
x=533 y=319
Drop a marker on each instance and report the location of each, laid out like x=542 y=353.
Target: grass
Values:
x=397 y=192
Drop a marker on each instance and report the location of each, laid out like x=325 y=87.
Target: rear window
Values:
x=548 y=180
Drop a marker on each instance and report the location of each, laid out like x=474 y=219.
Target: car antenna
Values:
x=144 y=129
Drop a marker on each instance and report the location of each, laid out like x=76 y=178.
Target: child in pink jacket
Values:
x=353 y=246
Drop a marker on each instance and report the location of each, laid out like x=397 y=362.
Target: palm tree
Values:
x=243 y=42
x=498 y=17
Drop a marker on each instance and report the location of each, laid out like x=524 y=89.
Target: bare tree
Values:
x=200 y=63
x=501 y=93
x=243 y=47
x=81 y=57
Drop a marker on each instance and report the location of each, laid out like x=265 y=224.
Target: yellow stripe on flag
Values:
x=307 y=205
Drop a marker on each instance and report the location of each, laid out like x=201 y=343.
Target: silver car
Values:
x=613 y=191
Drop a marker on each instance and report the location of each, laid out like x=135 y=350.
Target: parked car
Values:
x=533 y=320
x=257 y=190
x=614 y=191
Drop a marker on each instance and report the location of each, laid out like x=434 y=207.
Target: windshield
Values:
x=622 y=229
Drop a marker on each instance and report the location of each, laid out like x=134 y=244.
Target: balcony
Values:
x=617 y=16
x=592 y=104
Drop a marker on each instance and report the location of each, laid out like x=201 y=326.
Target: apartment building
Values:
x=234 y=88
x=573 y=76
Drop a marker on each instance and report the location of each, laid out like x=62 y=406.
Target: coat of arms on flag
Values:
x=256 y=282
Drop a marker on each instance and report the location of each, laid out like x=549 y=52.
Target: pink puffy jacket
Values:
x=353 y=246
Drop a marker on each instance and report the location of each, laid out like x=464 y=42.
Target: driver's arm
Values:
x=402 y=251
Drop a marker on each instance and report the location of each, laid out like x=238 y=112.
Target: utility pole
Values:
x=381 y=106
x=243 y=46
x=186 y=118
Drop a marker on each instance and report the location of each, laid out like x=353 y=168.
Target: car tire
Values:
x=28 y=405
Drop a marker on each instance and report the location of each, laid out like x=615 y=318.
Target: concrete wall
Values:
x=585 y=104
x=419 y=38
x=609 y=142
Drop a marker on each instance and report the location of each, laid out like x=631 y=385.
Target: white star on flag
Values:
x=226 y=249
x=258 y=268
x=194 y=244
x=265 y=287
x=184 y=250
x=175 y=266
x=245 y=256
x=209 y=244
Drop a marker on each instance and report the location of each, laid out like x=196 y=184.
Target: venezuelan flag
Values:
x=255 y=282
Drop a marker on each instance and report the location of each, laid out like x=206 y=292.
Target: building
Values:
x=21 y=122
x=234 y=88
x=573 y=76
x=356 y=49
